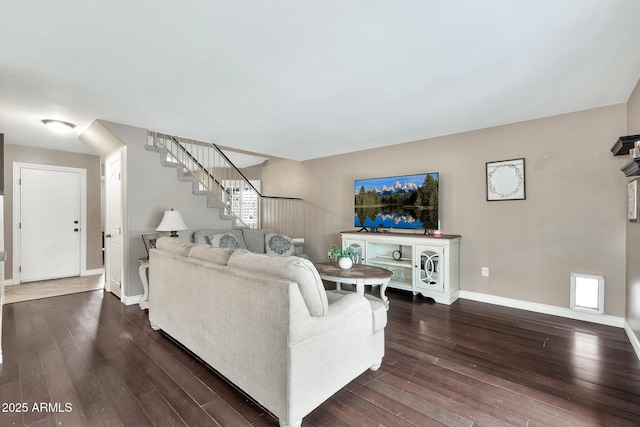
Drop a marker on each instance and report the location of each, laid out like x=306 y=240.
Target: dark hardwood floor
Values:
x=94 y=362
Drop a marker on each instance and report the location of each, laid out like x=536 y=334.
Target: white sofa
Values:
x=265 y=323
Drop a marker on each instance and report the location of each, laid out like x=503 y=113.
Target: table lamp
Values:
x=172 y=221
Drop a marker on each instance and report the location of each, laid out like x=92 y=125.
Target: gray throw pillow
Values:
x=277 y=244
x=225 y=240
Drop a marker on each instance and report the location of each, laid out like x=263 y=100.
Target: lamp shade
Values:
x=172 y=221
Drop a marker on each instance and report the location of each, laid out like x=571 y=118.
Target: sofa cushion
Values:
x=254 y=239
x=172 y=244
x=277 y=244
x=206 y=252
x=224 y=240
x=298 y=270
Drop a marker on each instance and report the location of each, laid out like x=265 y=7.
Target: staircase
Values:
x=225 y=188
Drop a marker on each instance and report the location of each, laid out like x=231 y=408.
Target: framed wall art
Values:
x=632 y=200
x=505 y=180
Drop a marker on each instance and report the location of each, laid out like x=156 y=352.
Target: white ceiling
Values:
x=307 y=79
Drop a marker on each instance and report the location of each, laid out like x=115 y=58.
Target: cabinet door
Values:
x=428 y=269
x=359 y=247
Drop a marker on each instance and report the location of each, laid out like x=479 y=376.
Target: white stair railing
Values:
x=226 y=187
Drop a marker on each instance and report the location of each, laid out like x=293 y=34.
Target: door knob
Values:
x=107 y=236
x=75 y=229
x=75 y=222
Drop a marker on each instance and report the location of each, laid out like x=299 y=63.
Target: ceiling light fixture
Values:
x=58 y=126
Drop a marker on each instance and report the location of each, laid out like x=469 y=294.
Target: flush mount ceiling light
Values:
x=59 y=126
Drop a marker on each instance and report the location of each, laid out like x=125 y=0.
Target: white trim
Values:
x=572 y=294
x=9 y=282
x=635 y=343
x=134 y=299
x=17 y=166
x=603 y=319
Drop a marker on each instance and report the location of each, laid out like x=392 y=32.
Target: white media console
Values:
x=427 y=265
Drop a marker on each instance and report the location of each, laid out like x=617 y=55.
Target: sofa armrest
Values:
x=340 y=313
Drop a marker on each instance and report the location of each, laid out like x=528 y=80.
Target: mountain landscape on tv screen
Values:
x=409 y=201
x=398 y=188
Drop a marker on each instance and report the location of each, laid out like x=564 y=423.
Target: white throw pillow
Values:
x=225 y=240
x=277 y=244
x=174 y=245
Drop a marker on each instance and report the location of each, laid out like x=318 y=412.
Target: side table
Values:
x=142 y=270
x=359 y=275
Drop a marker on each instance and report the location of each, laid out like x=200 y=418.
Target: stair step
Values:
x=210 y=196
x=220 y=206
x=168 y=164
x=155 y=149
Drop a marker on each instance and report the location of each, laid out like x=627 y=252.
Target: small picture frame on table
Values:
x=150 y=241
x=505 y=180
x=632 y=200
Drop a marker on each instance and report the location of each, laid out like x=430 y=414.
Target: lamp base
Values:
x=174 y=234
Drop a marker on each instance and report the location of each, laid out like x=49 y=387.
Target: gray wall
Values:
x=17 y=153
x=150 y=190
x=573 y=219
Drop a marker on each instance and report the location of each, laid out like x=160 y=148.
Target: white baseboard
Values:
x=602 y=319
x=9 y=282
x=93 y=272
x=635 y=343
x=134 y=299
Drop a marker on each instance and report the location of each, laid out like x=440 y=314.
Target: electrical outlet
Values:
x=485 y=271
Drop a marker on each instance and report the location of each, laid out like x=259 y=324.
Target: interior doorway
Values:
x=48 y=221
x=114 y=221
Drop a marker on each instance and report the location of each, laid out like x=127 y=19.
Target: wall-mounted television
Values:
x=405 y=201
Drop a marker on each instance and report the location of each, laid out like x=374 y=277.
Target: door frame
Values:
x=17 y=167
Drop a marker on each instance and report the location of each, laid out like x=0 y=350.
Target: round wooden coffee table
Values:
x=359 y=275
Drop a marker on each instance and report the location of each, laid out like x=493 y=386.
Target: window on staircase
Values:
x=243 y=200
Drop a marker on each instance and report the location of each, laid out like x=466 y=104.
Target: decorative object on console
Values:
x=172 y=221
x=277 y=244
x=505 y=180
x=407 y=201
x=632 y=200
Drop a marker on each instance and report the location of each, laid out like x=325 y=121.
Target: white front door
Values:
x=113 y=225
x=49 y=223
